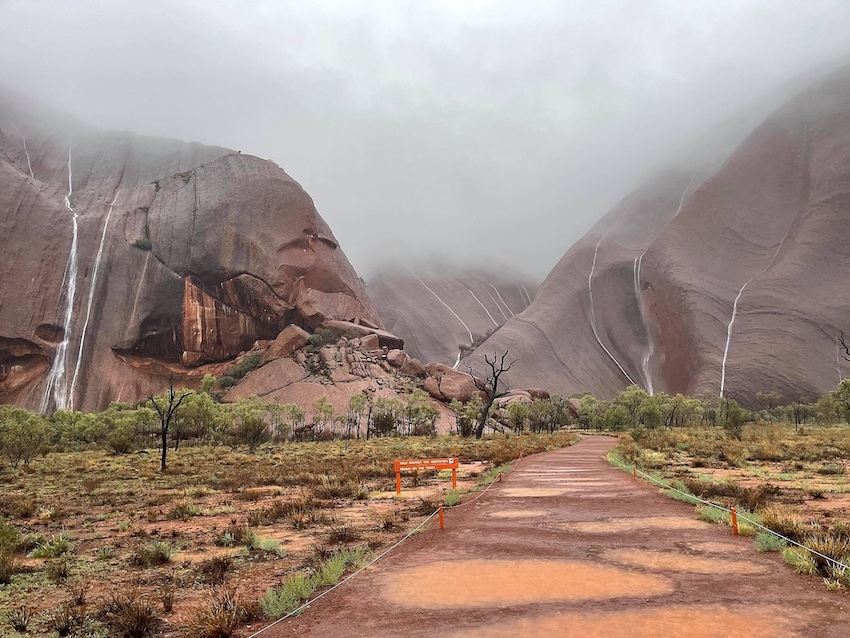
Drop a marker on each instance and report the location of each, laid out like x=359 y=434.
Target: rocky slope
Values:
x=442 y=311
x=128 y=259
x=717 y=281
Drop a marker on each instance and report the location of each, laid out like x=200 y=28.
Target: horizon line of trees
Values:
x=201 y=419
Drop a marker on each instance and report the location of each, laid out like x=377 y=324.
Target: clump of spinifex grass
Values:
x=767 y=542
x=284 y=599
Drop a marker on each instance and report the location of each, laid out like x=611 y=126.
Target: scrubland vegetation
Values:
x=782 y=466
x=247 y=522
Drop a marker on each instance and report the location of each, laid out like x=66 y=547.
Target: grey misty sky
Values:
x=483 y=132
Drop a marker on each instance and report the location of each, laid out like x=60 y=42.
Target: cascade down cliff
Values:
x=443 y=311
x=128 y=259
x=724 y=281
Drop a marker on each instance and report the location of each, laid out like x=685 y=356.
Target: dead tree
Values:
x=165 y=407
x=489 y=386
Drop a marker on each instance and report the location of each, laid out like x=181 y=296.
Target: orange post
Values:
x=398 y=482
x=454 y=479
x=442 y=523
x=634 y=471
x=734 y=522
x=500 y=477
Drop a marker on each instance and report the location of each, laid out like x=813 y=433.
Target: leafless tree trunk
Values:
x=170 y=403
x=489 y=386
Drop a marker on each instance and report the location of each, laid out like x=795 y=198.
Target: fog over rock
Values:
x=442 y=311
x=128 y=259
x=709 y=280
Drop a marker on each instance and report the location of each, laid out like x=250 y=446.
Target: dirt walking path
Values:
x=568 y=546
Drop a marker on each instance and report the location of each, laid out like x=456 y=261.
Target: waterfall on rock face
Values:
x=650 y=346
x=485 y=308
x=590 y=294
x=647 y=356
x=766 y=268
x=457 y=363
x=92 y=287
x=55 y=387
x=502 y=300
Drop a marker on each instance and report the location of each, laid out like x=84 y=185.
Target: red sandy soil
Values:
x=493 y=571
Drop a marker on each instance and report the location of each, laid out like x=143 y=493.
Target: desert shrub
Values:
x=767 y=542
x=831 y=469
x=219 y=616
x=8 y=567
x=122 y=439
x=143 y=243
x=153 y=553
x=78 y=592
x=58 y=569
x=289 y=596
x=323 y=336
x=9 y=536
x=831 y=549
x=214 y=570
x=713 y=515
x=53 y=547
x=66 y=619
x=784 y=521
x=247 y=364
x=330 y=571
x=107 y=552
x=343 y=534
x=183 y=510
x=20 y=618
x=131 y=615
x=332 y=486
x=252 y=431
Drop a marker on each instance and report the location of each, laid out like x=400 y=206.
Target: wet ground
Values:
x=568 y=546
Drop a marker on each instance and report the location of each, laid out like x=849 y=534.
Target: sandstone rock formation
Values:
x=350 y=365
x=442 y=312
x=709 y=280
x=127 y=259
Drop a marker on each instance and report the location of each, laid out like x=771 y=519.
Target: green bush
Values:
x=767 y=542
x=248 y=363
x=143 y=244
x=322 y=336
x=54 y=547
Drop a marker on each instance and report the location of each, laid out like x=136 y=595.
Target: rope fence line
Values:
x=381 y=555
x=836 y=564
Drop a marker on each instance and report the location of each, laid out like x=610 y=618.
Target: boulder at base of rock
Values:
x=357 y=331
x=574 y=406
x=279 y=374
x=514 y=396
x=538 y=393
x=396 y=358
x=413 y=368
x=370 y=343
x=445 y=384
x=289 y=340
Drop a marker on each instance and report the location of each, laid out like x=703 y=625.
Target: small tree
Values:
x=489 y=385
x=166 y=405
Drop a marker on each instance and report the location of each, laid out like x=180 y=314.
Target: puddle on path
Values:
x=630 y=524
x=518 y=514
x=678 y=562
x=479 y=583
x=700 y=622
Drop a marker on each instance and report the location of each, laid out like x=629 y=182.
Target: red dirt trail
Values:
x=568 y=546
